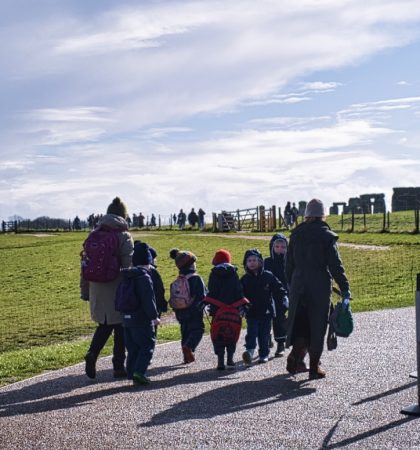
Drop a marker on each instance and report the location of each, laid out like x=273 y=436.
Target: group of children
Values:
x=260 y=295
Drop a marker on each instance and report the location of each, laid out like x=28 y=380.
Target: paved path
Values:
x=356 y=407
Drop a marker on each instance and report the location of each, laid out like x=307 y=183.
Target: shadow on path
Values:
x=233 y=398
x=364 y=435
x=386 y=393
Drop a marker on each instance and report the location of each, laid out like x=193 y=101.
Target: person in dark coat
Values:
x=313 y=261
x=262 y=289
x=140 y=325
x=192 y=218
x=224 y=286
x=191 y=318
x=276 y=264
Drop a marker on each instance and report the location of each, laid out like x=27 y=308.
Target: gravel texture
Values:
x=356 y=407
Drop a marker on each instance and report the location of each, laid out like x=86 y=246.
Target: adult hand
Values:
x=286 y=301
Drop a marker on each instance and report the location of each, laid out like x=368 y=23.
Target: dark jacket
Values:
x=159 y=289
x=262 y=290
x=313 y=261
x=224 y=285
x=277 y=263
x=198 y=291
x=143 y=286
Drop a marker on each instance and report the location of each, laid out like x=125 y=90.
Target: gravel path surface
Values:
x=356 y=406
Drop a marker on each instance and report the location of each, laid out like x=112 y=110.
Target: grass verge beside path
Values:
x=42 y=317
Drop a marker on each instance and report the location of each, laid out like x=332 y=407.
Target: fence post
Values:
x=414 y=410
x=384 y=223
x=416 y=221
x=342 y=221
x=352 y=221
x=239 y=219
x=389 y=220
x=159 y=222
x=273 y=218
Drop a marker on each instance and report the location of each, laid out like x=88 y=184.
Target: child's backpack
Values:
x=126 y=300
x=227 y=322
x=180 y=295
x=100 y=260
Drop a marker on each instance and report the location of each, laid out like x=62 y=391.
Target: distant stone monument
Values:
x=405 y=199
x=365 y=204
x=302 y=207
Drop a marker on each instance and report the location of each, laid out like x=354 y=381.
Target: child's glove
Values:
x=286 y=301
x=200 y=306
x=244 y=309
x=155 y=322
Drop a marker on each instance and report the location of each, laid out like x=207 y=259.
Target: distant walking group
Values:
x=286 y=295
x=194 y=219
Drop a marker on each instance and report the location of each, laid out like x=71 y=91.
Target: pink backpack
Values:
x=100 y=260
x=180 y=295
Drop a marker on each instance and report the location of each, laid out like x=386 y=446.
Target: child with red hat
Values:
x=224 y=286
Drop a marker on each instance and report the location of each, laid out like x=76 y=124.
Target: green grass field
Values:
x=44 y=320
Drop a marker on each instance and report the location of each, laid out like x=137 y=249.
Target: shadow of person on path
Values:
x=61 y=402
x=232 y=398
x=44 y=388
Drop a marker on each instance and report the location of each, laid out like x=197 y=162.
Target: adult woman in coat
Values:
x=102 y=296
x=313 y=261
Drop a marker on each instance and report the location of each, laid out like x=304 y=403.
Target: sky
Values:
x=213 y=104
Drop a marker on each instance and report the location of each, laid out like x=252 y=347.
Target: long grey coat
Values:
x=312 y=262
x=102 y=295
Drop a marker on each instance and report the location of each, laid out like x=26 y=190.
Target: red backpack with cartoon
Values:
x=100 y=256
x=227 y=322
x=180 y=295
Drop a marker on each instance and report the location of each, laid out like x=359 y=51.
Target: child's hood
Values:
x=224 y=270
x=256 y=253
x=134 y=272
x=277 y=237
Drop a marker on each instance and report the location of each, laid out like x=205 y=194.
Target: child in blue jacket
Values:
x=140 y=325
x=191 y=318
x=276 y=264
x=261 y=288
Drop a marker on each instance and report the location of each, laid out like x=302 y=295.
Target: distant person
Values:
x=192 y=218
x=182 y=218
x=153 y=221
x=263 y=290
x=201 y=215
x=102 y=294
x=276 y=264
x=187 y=294
x=288 y=215
x=141 y=220
x=140 y=325
x=224 y=287
x=313 y=261
x=77 y=224
x=295 y=213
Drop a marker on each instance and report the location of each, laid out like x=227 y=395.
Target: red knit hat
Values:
x=221 y=256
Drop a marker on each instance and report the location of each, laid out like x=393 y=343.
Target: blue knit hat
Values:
x=142 y=255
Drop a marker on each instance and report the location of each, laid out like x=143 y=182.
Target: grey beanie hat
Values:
x=315 y=208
